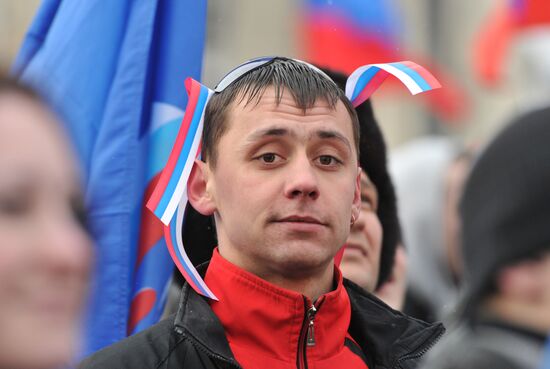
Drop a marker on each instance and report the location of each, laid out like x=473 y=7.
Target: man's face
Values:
x=284 y=186
x=361 y=259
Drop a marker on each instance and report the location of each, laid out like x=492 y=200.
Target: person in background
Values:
x=394 y=291
x=371 y=256
x=369 y=253
x=45 y=251
x=505 y=216
x=455 y=176
x=425 y=194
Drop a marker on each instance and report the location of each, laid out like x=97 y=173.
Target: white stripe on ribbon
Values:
x=238 y=72
x=181 y=186
x=407 y=80
x=181 y=250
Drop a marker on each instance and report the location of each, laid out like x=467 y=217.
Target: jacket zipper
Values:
x=310 y=340
x=307 y=333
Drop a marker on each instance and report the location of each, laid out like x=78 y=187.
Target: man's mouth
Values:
x=300 y=219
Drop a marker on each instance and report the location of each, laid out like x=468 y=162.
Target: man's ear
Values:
x=198 y=190
x=356 y=206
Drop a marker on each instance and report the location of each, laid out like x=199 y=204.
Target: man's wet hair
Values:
x=373 y=160
x=305 y=85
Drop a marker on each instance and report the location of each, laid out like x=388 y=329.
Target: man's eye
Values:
x=268 y=157
x=328 y=160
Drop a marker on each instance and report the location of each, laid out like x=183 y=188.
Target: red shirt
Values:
x=270 y=327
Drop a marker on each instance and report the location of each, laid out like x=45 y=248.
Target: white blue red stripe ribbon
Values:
x=170 y=194
x=366 y=79
x=172 y=183
x=174 y=241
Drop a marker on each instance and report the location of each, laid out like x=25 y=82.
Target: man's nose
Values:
x=360 y=223
x=302 y=179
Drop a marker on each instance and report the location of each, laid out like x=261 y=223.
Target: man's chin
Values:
x=301 y=259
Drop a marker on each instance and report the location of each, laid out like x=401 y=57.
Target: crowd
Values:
x=323 y=251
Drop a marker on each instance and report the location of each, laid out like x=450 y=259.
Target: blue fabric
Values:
x=378 y=17
x=115 y=71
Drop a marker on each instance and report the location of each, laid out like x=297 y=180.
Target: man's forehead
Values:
x=280 y=114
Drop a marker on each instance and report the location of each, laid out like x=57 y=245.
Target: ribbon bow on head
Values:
x=169 y=198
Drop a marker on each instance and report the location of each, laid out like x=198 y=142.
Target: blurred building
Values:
x=15 y=17
x=444 y=30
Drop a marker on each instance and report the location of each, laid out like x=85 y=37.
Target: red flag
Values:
x=346 y=34
x=508 y=18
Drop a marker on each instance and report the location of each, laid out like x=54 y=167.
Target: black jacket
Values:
x=194 y=338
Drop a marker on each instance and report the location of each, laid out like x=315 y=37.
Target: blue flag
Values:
x=115 y=71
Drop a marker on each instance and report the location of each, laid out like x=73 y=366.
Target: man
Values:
x=281 y=178
x=368 y=258
x=505 y=214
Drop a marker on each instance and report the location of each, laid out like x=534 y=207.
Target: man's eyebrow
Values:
x=278 y=132
x=330 y=134
x=269 y=132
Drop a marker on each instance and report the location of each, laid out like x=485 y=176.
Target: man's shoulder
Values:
x=144 y=350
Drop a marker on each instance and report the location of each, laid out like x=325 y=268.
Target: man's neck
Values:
x=309 y=286
x=311 y=283
x=266 y=325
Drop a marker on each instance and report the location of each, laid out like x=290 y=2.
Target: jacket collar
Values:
x=271 y=322
x=387 y=336
x=391 y=338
